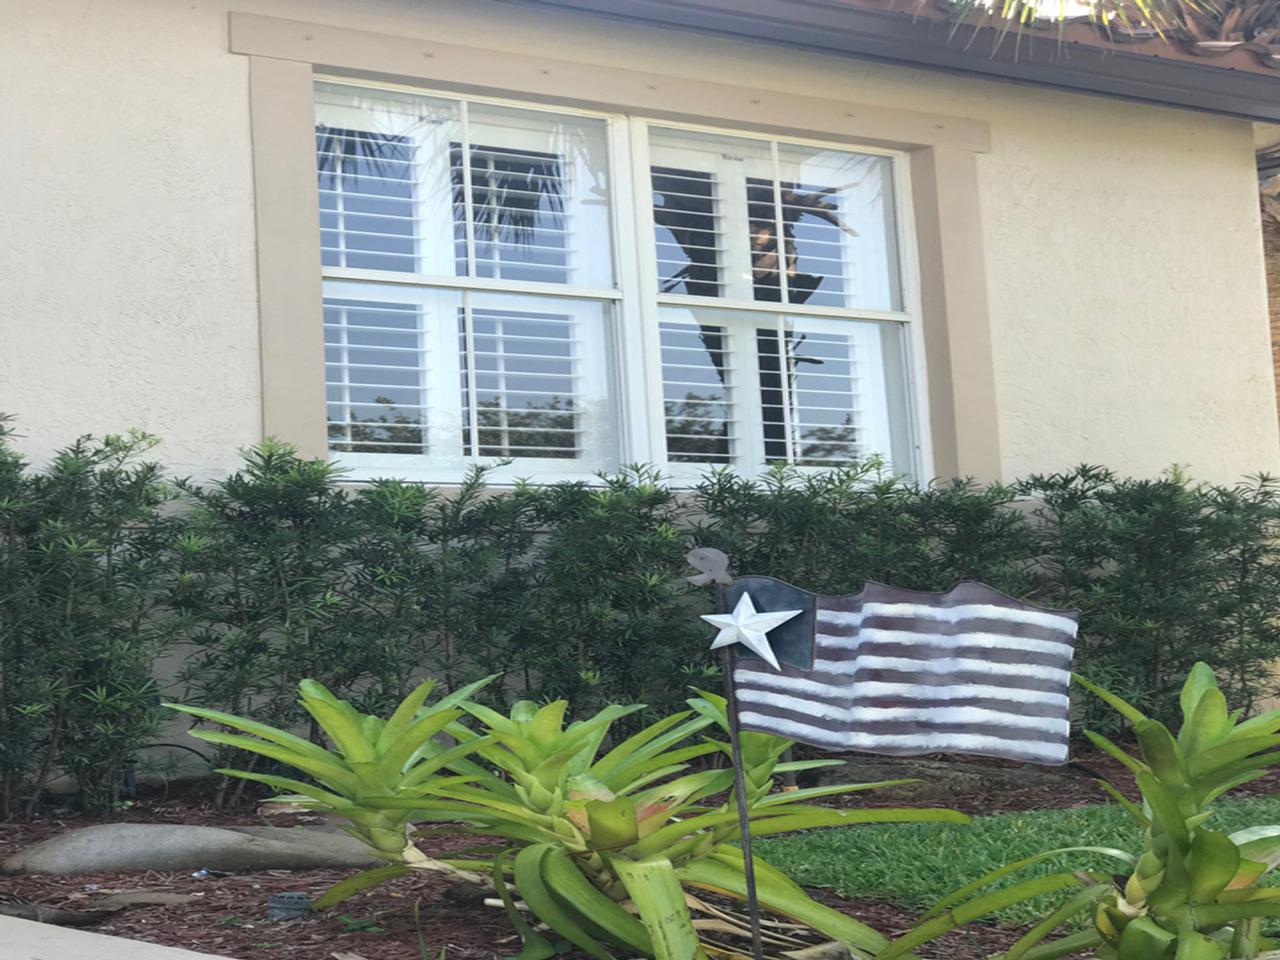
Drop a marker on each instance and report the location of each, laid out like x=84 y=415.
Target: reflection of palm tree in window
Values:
x=796 y=202
x=517 y=204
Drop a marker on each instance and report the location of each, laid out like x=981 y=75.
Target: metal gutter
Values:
x=1043 y=60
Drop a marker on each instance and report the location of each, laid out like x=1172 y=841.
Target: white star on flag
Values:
x=749 y=628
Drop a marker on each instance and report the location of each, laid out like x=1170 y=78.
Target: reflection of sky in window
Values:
x=366 y=185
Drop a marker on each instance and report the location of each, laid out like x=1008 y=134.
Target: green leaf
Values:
x=364 y=880
x=456 y=698
x=547 y=723
x=533 y=890
x=1066 y=946
x=1164 y=810
x=1129 y=806
x=1260 y=844
x=1200 y=680
x=1076 y=904
x=577 y=894
x=396 y=756
x=1196 y=946
x=659 y=899
x=534 y=946
x=650 y=741
x=1161 y=752
x=1143 y=939
x=286 y=783
x=339 y=721
x=1102 y=743
x=836 y=818
x=989 y=878
x=1122 y=707
x=989 y=903
x=810 y=793
x=1264 y=724
x=612 y=822
x=778 y=893
x=449 y=758
x=327 y=772
x=1213 y=863
x=1212 y=760
x=403 y=716
x=1209 y=725
x=280 y=737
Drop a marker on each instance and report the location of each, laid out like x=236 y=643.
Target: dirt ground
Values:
x=414 y=916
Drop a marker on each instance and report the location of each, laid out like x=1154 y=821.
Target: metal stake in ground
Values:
x=740 y=797
x=749 y=627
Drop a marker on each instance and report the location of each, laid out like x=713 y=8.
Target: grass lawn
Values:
x=915 y=864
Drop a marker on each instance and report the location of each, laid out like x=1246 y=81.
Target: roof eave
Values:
x=1043 y=59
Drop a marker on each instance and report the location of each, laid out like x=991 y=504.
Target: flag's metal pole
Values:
x=740 y=791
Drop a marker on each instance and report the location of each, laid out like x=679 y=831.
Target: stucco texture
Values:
x=1123 y=258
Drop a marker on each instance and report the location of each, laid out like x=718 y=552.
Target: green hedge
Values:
x=281 y=571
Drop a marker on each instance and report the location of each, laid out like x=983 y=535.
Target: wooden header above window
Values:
x=341 y=50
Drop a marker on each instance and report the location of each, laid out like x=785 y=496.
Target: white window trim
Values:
x=638 y=411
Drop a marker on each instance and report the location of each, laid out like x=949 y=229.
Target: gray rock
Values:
x=124 y=847
x=939 y=780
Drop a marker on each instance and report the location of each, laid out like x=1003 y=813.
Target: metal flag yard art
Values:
x=902 y=672
x=886 y=670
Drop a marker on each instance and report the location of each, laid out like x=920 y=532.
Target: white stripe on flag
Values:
x=945 y=665
x=870 y=689
x=970 y=611
x=857 y=714
x=907 y=637
x=795 y=684
x=922 y=742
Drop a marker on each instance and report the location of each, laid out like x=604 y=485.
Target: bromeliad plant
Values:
x=608 y=850
x=371 y=759
x=1192 y=892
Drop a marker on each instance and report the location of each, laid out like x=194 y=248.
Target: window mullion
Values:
x=471 y=402
x=746 y=394
x=640 y=408
x=784 y=294
x=467 y=205
x=348 y=410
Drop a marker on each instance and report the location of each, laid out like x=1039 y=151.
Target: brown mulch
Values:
x=228 y=915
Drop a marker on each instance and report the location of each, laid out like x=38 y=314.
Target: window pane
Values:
x=838 y=242
x=773 y=222
x=375 y=364
x=530 y=202
x=832 y=392
x=687 y=231
x=696 y=390
x=381 y=161
x=539 y=197
x=533 y=379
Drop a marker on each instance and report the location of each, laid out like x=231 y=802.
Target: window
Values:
x=491 y=294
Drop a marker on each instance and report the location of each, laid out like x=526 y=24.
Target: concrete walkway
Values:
x=25 y=940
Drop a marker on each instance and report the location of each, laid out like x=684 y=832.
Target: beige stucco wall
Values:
x=1124 y=266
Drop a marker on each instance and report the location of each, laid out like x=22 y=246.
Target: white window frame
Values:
x=637 y=403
